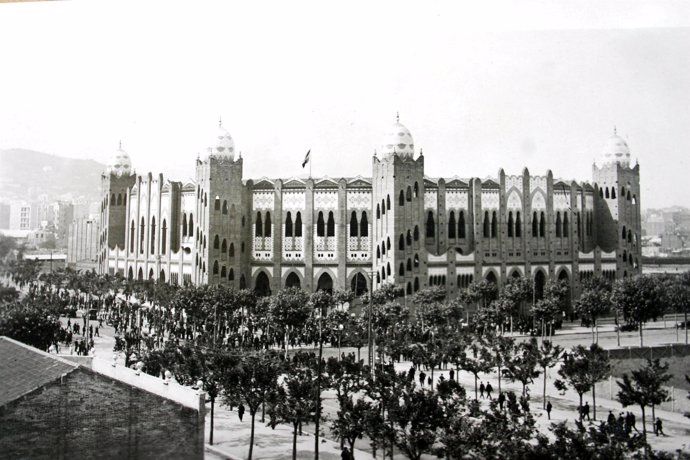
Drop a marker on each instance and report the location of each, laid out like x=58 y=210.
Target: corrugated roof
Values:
x=23 y=369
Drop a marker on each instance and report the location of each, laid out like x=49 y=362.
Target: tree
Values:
x=289 y=310
x=594 y=302
x=677 y=292
x=31 y=323
x=548 y=355
x=503 y=349
x=638 y=299
x=582 y=369
x=346 y=377
x=523 y=367
x=515 y=292
x=415 y=420
x=644 y=388
x=478 y=361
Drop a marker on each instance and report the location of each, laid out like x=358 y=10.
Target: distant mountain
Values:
x=25 y=174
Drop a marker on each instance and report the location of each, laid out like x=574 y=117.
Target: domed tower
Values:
x=116 y=181
x=220 y=201
x=617 y=205
x=398 y=210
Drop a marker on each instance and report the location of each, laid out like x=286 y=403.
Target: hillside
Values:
x=26 y=174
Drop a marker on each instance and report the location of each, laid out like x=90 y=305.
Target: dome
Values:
x=398 y=140
x=119 y=163
x=615 y=151
x=222 y=143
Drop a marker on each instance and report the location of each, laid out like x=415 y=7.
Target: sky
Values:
x=481 y=85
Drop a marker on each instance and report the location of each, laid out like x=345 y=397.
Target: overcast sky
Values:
x=481 y=85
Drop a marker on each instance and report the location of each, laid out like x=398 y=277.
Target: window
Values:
x=409 y=265
x=119 y=199
x=383 y=207
x=231 y=275
x=409 y=193
x=416 y=284
x=494 y=225
x=298 y=224
x=451 y=225
x=416 y=190
x=330 y=225
x=288 y=225
x=401 y=269
x=353 y=224
x=535 y=224
x=511 y=224
x=232 y=249
x=190 y=229
x=320 y=225
x=267 y=224
x=388 y=269
x=141 y=236
x=364 y=225
x=224 y=247
x=164 y=237
x=558 y=224
x=401 y=199
x=518 y=225
x=378 y=211
x=606 y=192
x=401 y=242
x=383 y=248
x=461 y=225
x=131 y=238
x=430 y=225
x=258 y=225
x=223 y=272
x=487 y=224
x=542 y=224
x=388 y=202
x=388 y=243
x=378 y=252
x=216 y=242
x=225 y=207
x=601 y=192
x=613 y=192
x=215 y=267
x=216 y=205
x=184 y=224
x=416 y=261
x=566 y=226
x=409 y=238
x=416 y=232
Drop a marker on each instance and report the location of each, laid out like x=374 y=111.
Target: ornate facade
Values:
x=396 y=226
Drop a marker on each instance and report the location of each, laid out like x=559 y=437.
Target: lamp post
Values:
x=340 y=332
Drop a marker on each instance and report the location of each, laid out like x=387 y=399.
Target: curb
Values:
x=220 y=452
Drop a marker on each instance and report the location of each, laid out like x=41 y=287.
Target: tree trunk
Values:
x=251 y=437
x=580 y=407
x=594 y=400
x=544 y=393
x=499 y=378
x=653 y=415
x=644 y=425
x=213 y=401
x=641 y=324
x=686 y=327
x=294 y=441
x=475 y=387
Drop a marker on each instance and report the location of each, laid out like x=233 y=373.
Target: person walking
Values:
x=501 y=400
x=611 y=419
x=452 y=374
x=240 y=411
x=659 y=427
x=585 y=411
x=489 y=389
x=549 y=406
x=422 y=378
x=481 y=390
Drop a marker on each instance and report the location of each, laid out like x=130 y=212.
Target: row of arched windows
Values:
x=117 y=201
x=187 y=228
x=437 y=280
x=325 y=228
x=152 y=236
x=607 y=192
x=262 y=227
x=217 y=206
x=293 y=229
x=385 y=206
x=360 y=228
x=407 y=196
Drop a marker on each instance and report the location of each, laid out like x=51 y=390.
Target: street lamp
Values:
x=340 y=331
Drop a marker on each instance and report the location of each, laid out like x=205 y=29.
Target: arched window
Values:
x=518 y=225
x=225 y=207
x=634 y=199
x=153 y=235
x=511 y=224
x=378 y=252
x=131 y=238
x=613 y=192
x=494 y=225
x=288 y=224
x=623 y=192
x=190 y=229
x=461 y=224
x=243 y=282
x=293 y=280
x=542 y=224
x=113 y=201
x=409 y=265
x=330 y=225
x=388 y=269
x=141 y=236
x=401 y=198
x=401 y=242
x=416 y=284
x=224 y=246
x=205 y=202
x=216 y=242
x=388 y=243
x=231 y=275
x=232 y=249
x=216 y=204
x=383 y=248
x=164 y=237
x=487 y=225
x=401 y=269
x=416 y=190
x=623 y=233
x=451 y=225
x=267 y=224
x=378 y=277
x=409 y=288
x=320 y=225
x=535 y=224
x=223 y=272
x=629 y=236
x=628 y=195
x=606 y=192
x=119 y=199
x=262 y=287
x=416 y=232
x=430 y=225
x=558 y=224
x=383 y=273
x=601 y=192
x=298 y=224
x=358 y=285
x=388 y=202
x=258 y=225
x=416 y=261
x=204 y=241
x=378 y=211
x=353 y=224
x=184 y=224
x=409 y=238
x=364 y=225
x=566 y=226
x=383 y=207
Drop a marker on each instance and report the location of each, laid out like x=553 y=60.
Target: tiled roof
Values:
x=24 y=368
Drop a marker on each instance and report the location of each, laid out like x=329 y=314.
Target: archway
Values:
x=358 y=285
x=292 y=281
x=262 y=287
x=151 y=274
x=130 y=275
x=565 y=277
x=325 y=283
x=140 y=276
x=539 y=282
x=161 y=278
x=491 y=277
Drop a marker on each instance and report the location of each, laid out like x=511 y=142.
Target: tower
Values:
x=398 y=206
x=617 y=206
x=115 y=183
x=220 y=214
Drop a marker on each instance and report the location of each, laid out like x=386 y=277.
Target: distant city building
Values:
x=396 y=226
x=23 y=215
x=4 y=216
x=62 y=215
x=83 y=244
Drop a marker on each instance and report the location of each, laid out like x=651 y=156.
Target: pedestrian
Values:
x=501 y=400
x=658 y=427
x=346 y=455
x=481 y=390
x=611 y=419
x=549 y=406
x=429 y=381
x=489 y=389
x=240 y=411
x=97 y=334
x=452 y=374
x=632 y=422
x=422 y=378
x=585 y=411
x=410 y=374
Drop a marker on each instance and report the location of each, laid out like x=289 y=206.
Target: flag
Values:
x=306 y=158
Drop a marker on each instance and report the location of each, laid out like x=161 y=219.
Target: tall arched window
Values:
x=215 y=267
x=232 y=249
x=416 y=190
x=388 y=268
x=401 y=269
x=142 y=242
x=487 y=225
x=131 y=238
x=409 y=238
x=216 y=204
x=601 y=192
x=613 y=192
x=416 y=261
x=119 y=199
x=353 y=224
x=416 y=284
x=401 y=242
x=288 y=224
x=388 y=243
x=267 y=224
x=409 y=265
x=153 y=235
x=623 y=233
x=258 y=225
x=184 y=225
x=542 y=224
x=606 y=192
x=383 y=248
x=223 y=272
x=298 y=224
x=416 y=232
x=225 y=207
x=216 y=242
x=388 y=202
x=401 y=198
x=430 y=225
x=511 y=224
x=231 y=275
x=378 y=211
x=566 y=226
x=320 y=225
x=330 y=225
x=224 y=247
x=409 y=193
x=364 y=225
x=451 y=225
x=494 y=225
x=535 y=225
x=190 y=229
x=164 y=237
x=518 y=225
x=559 y=224
x=378 y=252
x=461 y=224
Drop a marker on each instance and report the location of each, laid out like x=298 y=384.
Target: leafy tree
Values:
x=352 y=420
x=346 y=377
x=289 y=310
x=475 y=359
x=602 y=442
x=594 y=302
x=8 y=294
x=484 y=291
x=677 y=291
x=582 y=369
x=523 y=367
x=502 y=351
x=548 y=355
x=515 y=293
x=415 y=420
x=639 y=299
x=31 y=323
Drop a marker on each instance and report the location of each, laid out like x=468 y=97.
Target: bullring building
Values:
x=394 y=225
